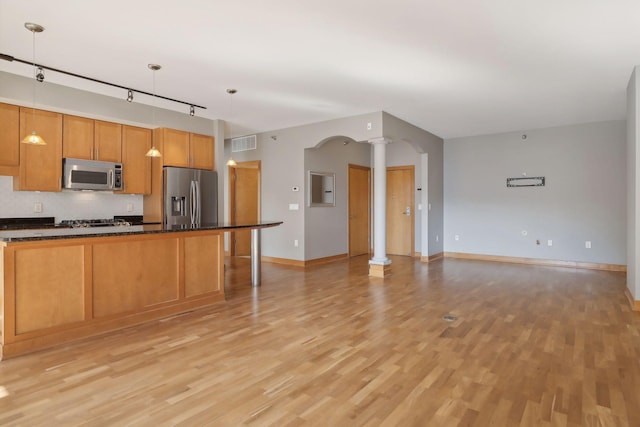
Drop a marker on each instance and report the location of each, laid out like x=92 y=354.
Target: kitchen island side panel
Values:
x=132 y=275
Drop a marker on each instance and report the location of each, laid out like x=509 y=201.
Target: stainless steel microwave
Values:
x=79 y=174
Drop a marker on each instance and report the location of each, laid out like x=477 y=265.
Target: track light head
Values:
x=129 y=95
x=192 y=110
x=40 y=75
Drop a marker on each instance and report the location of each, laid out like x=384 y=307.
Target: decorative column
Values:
x=379 y=265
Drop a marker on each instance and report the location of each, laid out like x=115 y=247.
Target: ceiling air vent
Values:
x=243 y=143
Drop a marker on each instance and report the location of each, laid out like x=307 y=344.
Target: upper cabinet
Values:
x=77 y=137
x=91 y=139
x=40 y=165
x=201 y=149
x=136 y=166
x=184 y=149
x=9 y=139
x=175 y=147
x=108 y=141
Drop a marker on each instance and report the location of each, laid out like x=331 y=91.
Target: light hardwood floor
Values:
x=532 y=346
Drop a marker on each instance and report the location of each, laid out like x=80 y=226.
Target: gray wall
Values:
x=409 y=146
x=633 y=185
x=285 y=164
x=17 y=90
x=327 y=228
x=282 y=155
x=584 y=197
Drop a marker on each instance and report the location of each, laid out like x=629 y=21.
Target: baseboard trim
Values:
x=300 y=263
x=634 y=304
x=536 y=261
x=326 y=259
x=430 y=258
x=283 y=261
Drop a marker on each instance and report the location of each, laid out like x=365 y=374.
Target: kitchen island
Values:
x=67 y=283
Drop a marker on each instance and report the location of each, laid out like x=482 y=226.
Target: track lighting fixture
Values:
x=192 y=111
x=40 y=75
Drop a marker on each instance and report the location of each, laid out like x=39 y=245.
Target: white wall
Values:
x=66 y=204
x=584 y=197
x=633 y=185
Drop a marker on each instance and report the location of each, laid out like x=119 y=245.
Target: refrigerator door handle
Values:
x=198 y=200
x=192 y=201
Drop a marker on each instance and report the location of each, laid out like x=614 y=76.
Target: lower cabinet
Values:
x=202 y=272
x=49 y=287
x=131 y=276
x=60 y=290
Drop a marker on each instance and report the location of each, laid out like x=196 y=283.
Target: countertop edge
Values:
x=30 y=235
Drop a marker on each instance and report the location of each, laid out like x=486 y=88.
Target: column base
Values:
x=377 y=269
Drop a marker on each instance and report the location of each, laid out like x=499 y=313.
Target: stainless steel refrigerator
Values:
x=190 y=196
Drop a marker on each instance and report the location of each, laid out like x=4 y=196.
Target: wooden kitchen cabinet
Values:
x=77 y=137
x=108 y=141
x=174 y=147
x=40 y=165
x=201 y=149
x=136 y=166
x=147 y=275
x=184 y=149
x=49 y=287
x=55 y=291
x=9 y=139
x=90 y=139
x=202 y=261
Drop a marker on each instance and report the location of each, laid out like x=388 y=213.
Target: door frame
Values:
x=369 y=199
x=412 y=169
x=252 y=164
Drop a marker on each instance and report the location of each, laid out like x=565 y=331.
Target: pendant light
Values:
x=231 y=92
x=153 y=151
x=33 y=138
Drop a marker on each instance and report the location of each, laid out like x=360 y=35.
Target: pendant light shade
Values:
x=33 y=138
x=153 y=151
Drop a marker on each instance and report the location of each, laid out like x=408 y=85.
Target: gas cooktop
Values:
x=81 y=223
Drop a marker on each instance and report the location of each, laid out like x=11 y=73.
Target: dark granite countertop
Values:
x=27 y=235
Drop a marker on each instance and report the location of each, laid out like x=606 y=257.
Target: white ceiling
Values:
x=454 y=68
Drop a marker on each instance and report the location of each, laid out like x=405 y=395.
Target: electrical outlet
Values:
x=295 y=243
x=369 y=126
x=437 y=238
x=549 y=242
x=456 y=237
x=129 y=207
x=37 y=207
x=524 y=232
x=587 y=244
x=293 y=206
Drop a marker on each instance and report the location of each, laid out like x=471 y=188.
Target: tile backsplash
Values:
x=66 y=204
